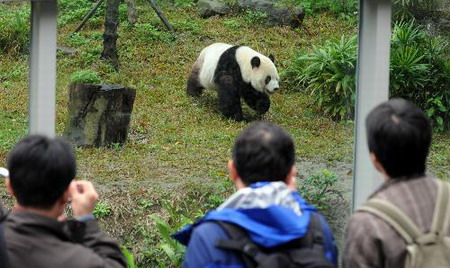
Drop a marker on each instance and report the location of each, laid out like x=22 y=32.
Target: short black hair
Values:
x=399 y=134
x=41 y=169
x=263 y=152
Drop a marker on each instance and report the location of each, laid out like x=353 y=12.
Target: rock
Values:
x=99 y=115
x=277 y=14
x=209 y=8
x=66 y=50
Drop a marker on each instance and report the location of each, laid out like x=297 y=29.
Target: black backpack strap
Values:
x=3 y=254
x=309 y=251
x=250 y=252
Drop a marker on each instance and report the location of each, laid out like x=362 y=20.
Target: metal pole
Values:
x=372 y=88
x=42 y=79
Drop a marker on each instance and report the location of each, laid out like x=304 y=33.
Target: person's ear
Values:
x=376 y=163
x=290 y=178
x=9 y=188
x=233 y=171
x=234 y=175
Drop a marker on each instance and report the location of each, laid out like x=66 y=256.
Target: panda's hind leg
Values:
x=258 y=101
x=229 y=98
x=194 y=88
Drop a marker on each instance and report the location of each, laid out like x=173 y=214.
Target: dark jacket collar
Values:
x=36 y=225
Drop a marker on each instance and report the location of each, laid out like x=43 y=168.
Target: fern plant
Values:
x=173 y=250
x=419 y=72
x=329 y=75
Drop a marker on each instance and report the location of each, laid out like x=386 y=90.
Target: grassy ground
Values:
x=178 y=146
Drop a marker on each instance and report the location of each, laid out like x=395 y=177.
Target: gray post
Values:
x=42 y=80
x=372 y=88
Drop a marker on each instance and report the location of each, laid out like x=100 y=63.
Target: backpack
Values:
x=422 y=250
x=306 y=252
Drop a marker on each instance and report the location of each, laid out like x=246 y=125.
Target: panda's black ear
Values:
x=272 y=58
x=255 y=62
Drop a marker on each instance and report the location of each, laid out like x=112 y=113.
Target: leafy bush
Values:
x=406 y=9
x=318 y=188
x=172 y=248
x=328 y=73
x=337 y=7
x=86 y=76
x=14 y=31
x=419 y=72
x=129 y=257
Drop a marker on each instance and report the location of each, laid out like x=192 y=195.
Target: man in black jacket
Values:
x=37 y=235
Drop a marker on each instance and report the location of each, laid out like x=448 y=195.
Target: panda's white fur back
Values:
x=207 y=61
x=209 y=58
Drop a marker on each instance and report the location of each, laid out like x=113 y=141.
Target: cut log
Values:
x=99 y=115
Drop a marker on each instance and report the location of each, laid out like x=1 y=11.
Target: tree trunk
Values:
x=99 y=115
x=131 y=11
x=110 y=36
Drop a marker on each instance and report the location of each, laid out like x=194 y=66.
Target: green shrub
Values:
x=328 y=73
x=406 y=9
x=14 y=31
x=129 y=257
x=86 y=76
x=101 y=210
x=173 y=250
x=337 y=7
x=318 y=188
x=419 y=72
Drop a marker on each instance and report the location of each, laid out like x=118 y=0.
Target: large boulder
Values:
x=209 y=8
x=277 y=13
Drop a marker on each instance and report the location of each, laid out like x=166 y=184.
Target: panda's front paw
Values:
x=262 y=106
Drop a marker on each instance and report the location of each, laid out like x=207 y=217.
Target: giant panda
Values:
x=235 y=72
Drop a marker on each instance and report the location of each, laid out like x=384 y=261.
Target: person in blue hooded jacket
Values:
x=266 y=203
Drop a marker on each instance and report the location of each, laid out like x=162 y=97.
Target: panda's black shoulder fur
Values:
x=228 y=65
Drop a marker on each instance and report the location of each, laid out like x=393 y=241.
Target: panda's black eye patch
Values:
x=267 y=81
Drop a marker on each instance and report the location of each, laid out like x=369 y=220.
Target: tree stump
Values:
x=99 y=115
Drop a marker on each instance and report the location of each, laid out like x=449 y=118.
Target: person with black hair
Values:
x=266 y=208
x=378 y=234
x=41 y=173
